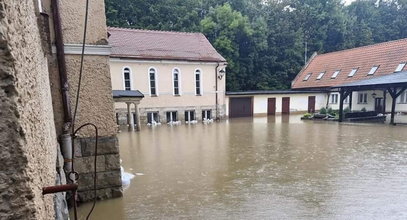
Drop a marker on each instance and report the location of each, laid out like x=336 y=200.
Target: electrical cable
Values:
x=74 y=132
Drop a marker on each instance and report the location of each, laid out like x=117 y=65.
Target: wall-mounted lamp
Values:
x=221 y=73
x=374 y=95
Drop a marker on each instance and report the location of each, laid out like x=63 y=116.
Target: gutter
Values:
x=216 y=91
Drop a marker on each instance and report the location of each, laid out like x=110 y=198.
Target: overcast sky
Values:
x=349 y=1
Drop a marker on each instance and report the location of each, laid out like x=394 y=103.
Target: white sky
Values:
x=347 y=2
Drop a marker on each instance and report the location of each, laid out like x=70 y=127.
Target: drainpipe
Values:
x=66 y=139
x=216 y=91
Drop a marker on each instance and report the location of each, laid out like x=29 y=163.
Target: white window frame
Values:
x=171 y=119
x=155 y=81
x=200 y=82
x=373 y=70
x=130 y=76
x=179 y=82
x=364 y=99
x=152 y=117
x=402 y=99
x=188 y=112
x=306 y=78
x=335 y=74
x=334 y=98
x=400 y=67
x=353 y=72
x=206 y=113
x=321 y=74
x=346 y=100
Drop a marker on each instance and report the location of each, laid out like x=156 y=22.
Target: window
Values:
x=400 y=67
x=320 y=75
x=153 y=84
x=352 y=72
x=198 y=90
x=373 y=70
x=206 y=115
x=335 y=74
x=127 y=78
x=153 y=117
x=362 y=98
x=334 y=98
x=307 y=77
x=171 y=117
x=190 y=116
x=347 y=99
x=403 y=98
x=176 y=81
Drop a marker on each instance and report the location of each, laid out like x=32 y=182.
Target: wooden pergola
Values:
x=395 y=84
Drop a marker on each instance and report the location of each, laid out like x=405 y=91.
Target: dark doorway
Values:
x=311 y=104
x=271 y=106
x=240 y=107
x=285 y=108
x=378 y=106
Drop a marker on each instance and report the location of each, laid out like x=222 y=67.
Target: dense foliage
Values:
x=264 y=41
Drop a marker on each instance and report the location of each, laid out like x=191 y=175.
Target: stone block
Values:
x=106 y=145
x=112 y=162
x=109 y=179
x=86 y=196
x=86 y=164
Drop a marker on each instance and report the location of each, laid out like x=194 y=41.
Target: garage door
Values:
x=240 y=107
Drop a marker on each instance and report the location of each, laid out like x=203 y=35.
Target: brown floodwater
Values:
x=262 y=168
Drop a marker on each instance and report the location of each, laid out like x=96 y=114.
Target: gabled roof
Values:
x=127 y=94
x=387 y=56
x=161 y=45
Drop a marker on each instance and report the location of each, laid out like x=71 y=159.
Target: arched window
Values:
x=153 y=78
x=198 y=80
x=176 y=81
x=127 y=78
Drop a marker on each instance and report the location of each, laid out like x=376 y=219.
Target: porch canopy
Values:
x=129 y=97
x=395 y=84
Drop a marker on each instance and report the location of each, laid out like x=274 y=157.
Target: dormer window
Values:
x=373 y=70
x=307 y=76
x=335 y=74
x=400 y=67
x=320 y=75
x=352 y=72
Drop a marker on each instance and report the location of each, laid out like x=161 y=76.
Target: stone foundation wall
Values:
x=107 y=165
x=121 y=114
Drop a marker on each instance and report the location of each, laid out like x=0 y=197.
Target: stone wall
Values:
x=107 y=165
x=27 y=134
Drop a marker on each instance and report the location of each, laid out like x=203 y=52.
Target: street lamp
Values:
x=221 y=73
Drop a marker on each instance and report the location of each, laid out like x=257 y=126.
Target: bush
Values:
x=346 y=110
x=307 y=115
x=330 y=111
x=363 y=109
x=322 y=111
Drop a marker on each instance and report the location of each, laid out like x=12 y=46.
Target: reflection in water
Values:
x=278 y=167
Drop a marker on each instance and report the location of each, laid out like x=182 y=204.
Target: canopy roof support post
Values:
x=350 y=100
x=384 y=102
x=394 y=95
x=343 y=95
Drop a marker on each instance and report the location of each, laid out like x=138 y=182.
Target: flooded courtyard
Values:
x=262 y=168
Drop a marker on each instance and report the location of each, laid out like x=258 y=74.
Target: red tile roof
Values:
x=387 y=56
x=163 y=45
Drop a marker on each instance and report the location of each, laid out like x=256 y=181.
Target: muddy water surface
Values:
x=263 y=168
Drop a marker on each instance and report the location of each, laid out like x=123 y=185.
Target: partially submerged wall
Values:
x=27 y=133
x=96 y=100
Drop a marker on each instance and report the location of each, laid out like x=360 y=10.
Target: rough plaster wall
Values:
x=27 y=132
x=72 y=15
x=96 y=101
